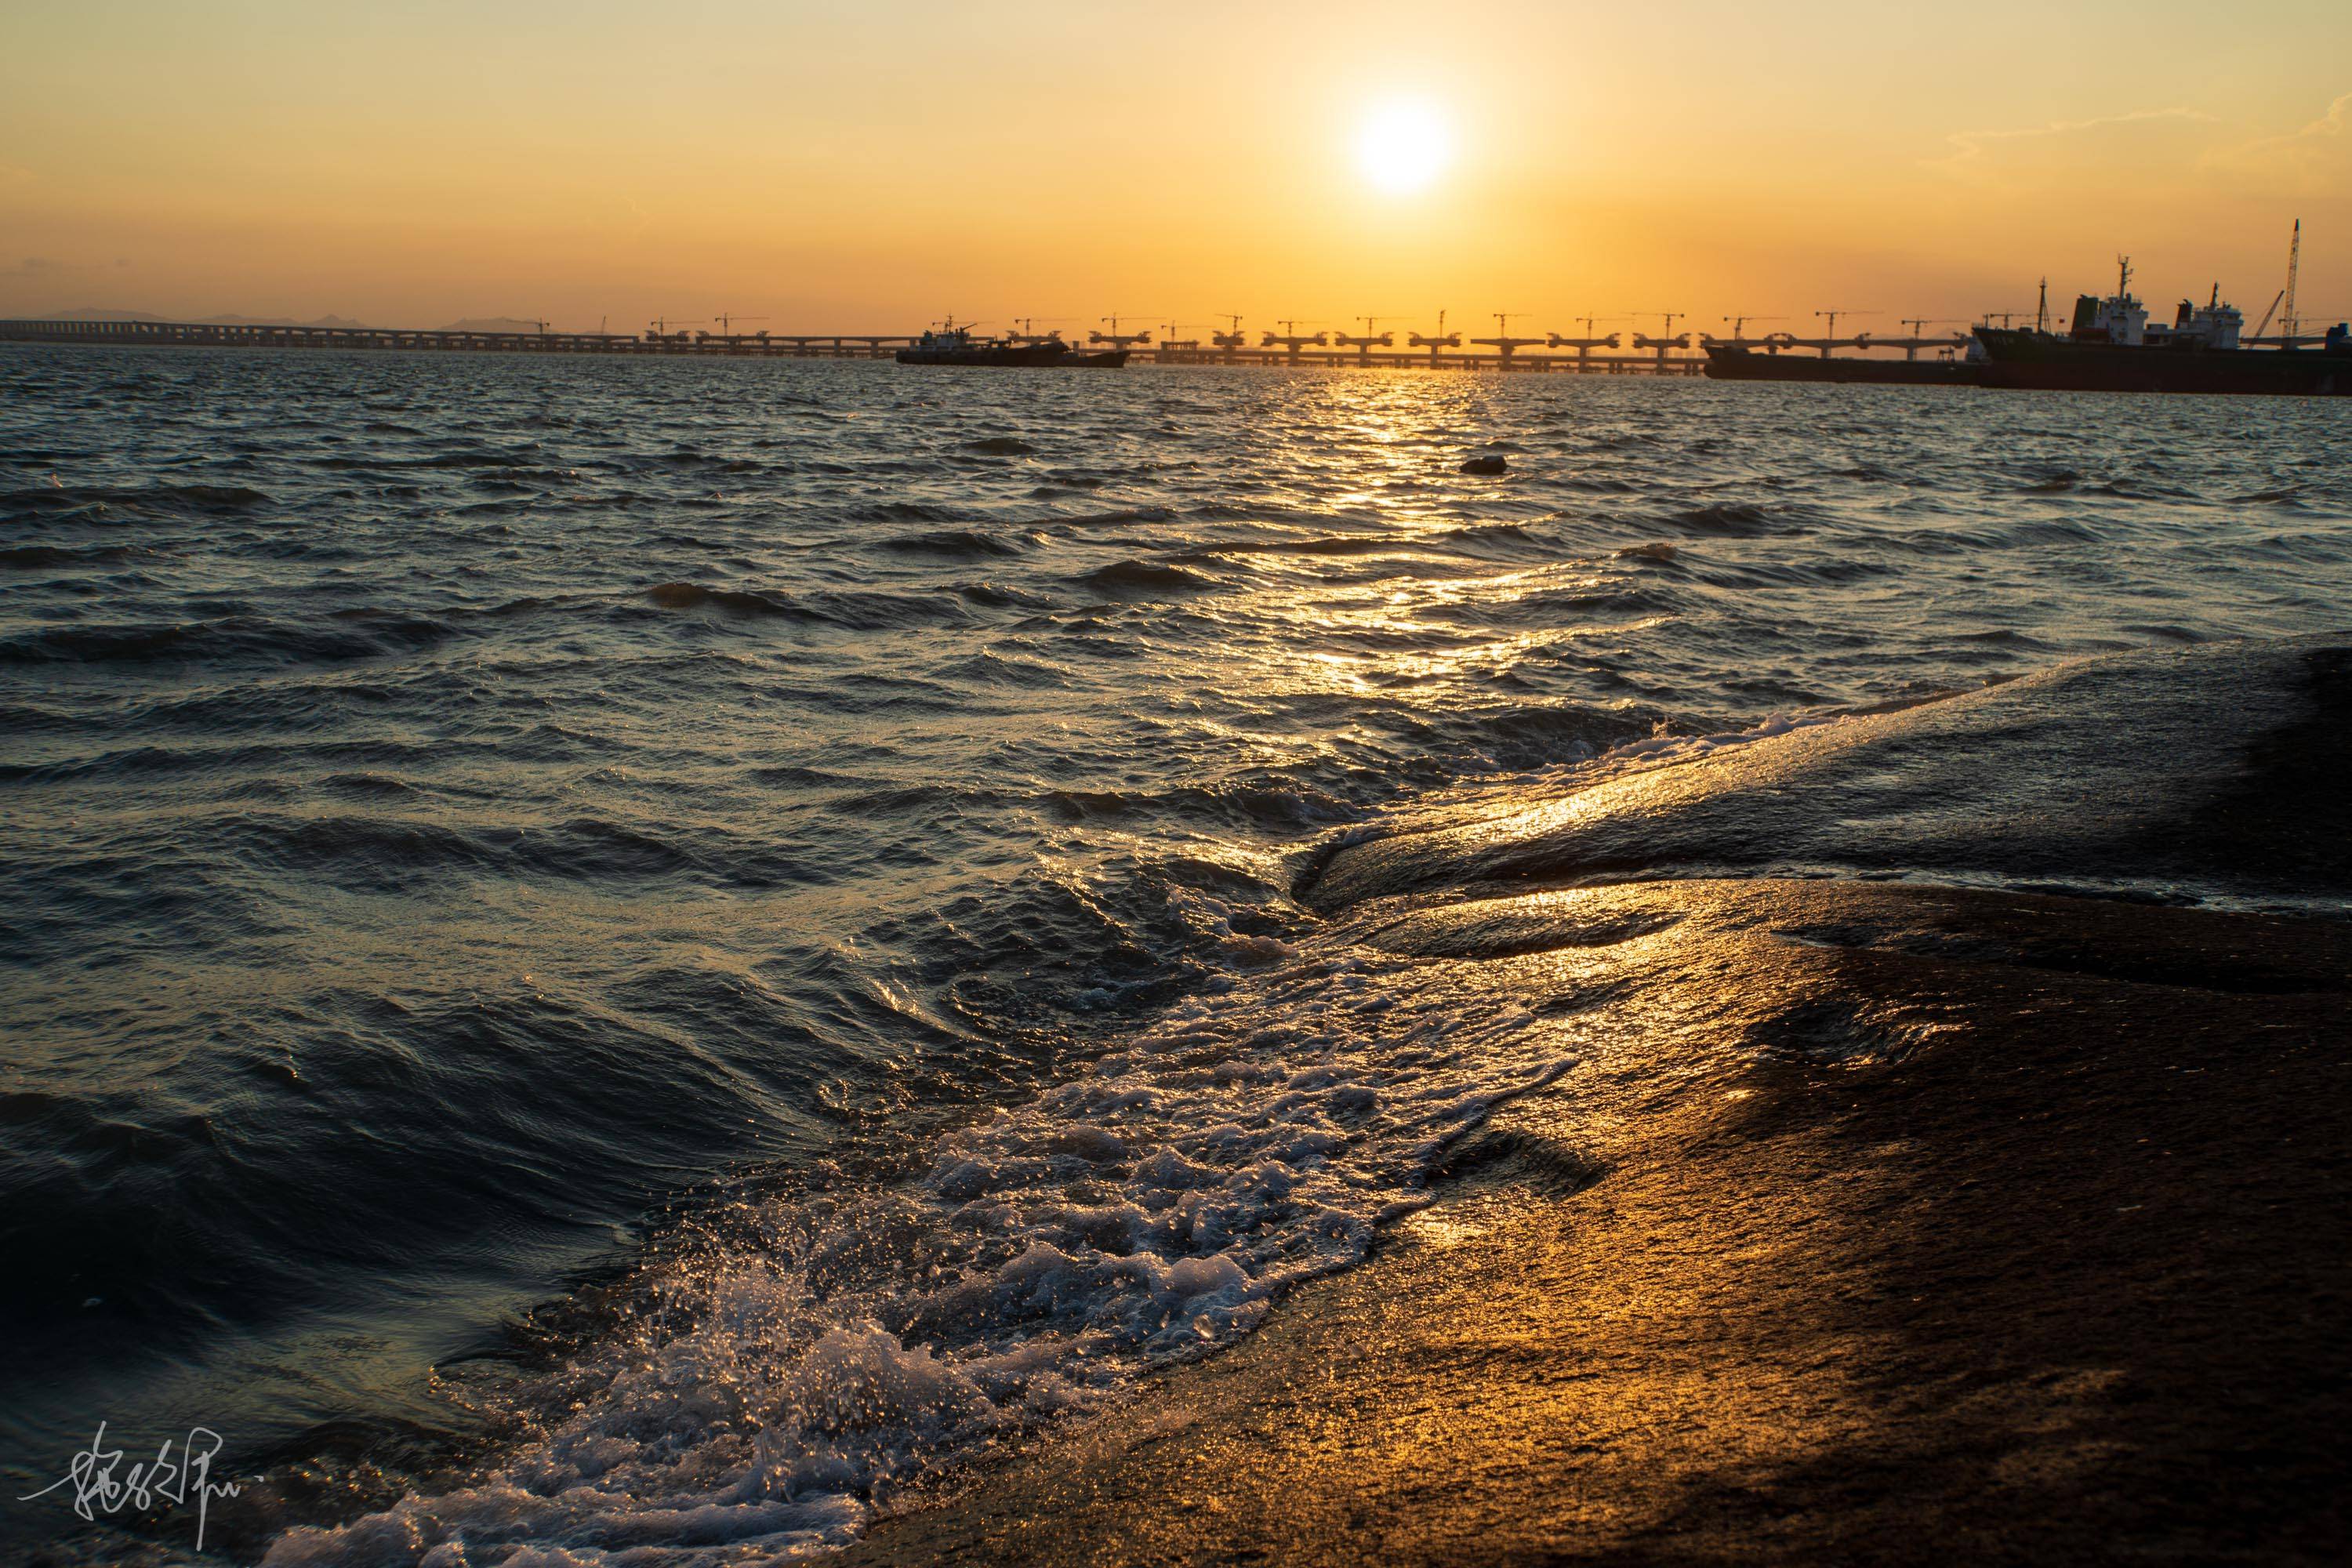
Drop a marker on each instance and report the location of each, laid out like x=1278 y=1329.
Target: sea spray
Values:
x=828 y=1350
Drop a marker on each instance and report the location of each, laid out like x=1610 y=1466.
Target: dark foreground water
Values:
x=786 y=869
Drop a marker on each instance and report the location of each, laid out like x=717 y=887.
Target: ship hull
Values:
x=1744 y=364
x=2036 y=362
x=1040 y=355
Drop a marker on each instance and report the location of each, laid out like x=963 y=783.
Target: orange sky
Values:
x=870 y=167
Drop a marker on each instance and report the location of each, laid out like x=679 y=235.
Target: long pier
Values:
x=203 y=334
x=806 y=345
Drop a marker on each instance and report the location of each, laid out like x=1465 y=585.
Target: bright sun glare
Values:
x=1403 y=146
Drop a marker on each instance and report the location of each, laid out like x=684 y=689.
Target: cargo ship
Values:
x=2112 y=346
x=1732 y=364
x=951 y=345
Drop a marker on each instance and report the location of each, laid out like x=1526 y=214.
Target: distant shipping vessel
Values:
x=1727 y=363
x=953 y=344
x=2112 y=347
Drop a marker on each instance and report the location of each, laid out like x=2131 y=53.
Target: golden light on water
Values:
x=1403 y=146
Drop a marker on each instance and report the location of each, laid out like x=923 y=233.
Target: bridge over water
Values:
x=1656 y=358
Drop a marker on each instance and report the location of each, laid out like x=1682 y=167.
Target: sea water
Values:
x=692 y=944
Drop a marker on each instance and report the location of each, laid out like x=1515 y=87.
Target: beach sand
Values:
x=1881 y=1221
x=2013 y=1235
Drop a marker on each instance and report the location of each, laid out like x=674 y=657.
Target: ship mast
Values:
x=2287 y=322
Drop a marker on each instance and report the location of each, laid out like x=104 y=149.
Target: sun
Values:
x=1403 y=145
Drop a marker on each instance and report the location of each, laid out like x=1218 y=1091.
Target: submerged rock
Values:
x=1486 y=465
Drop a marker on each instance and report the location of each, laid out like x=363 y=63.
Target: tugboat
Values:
x=2113 y=347
x=950 y=344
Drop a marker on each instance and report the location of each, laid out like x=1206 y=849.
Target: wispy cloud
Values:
x=2320 y=154
x=2315 y=157
x=42 y=267
x=1972 y=151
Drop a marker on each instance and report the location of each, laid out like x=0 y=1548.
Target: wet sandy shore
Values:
x=1881 y=1221
x=1910 y=1226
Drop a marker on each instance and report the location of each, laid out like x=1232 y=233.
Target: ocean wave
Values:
x=732 y=601
x=1280 y=805
x=229 y=639
x=1134 y=578
x=1732 y=520
x=202 y=499
x=951 y=541
x=820 y=1353
x=38 y=557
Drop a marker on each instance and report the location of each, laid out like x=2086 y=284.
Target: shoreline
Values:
x=1885 y=1215
x=1800 y=1213
x=1854 y=1281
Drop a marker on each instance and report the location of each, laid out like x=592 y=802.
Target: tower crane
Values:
x=1915 y=341
x=658 y=329
x=1117 y=338
x=1369 y=341
x=1502 y=343
x=1029 y=333
x=1232 y=338
x=1665 y=340
x=727 y=324
x=1831 y=339
x=1441 y=339
x=1769 y=342
x=1290 y=340
x=1585 y=344
x=2041 y=312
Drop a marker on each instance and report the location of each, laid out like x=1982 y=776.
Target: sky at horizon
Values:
x=824 y=166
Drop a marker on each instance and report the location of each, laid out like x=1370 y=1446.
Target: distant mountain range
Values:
x=470 y=324
x=202 y=321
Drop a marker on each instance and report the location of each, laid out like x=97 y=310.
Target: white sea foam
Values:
x=775 y=1387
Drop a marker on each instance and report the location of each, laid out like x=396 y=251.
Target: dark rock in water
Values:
x=1488 y=465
